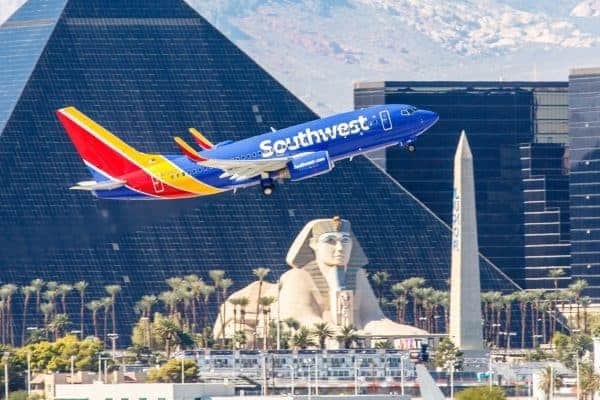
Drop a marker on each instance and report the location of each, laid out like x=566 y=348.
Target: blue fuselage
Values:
x=341 y=136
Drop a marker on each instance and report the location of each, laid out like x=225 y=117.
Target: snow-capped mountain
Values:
x=587 y=8
x=318 y=48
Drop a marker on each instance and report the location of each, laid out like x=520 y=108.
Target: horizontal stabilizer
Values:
x=93 y=185
x=188 y=150
x=200 y=139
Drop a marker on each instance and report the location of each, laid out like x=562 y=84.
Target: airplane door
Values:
x=386 y=121
x=157 y=184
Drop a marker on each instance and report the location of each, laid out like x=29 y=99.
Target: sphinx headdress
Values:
x=300 y=252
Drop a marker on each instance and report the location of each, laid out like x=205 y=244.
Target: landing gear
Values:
x=267 y=186
x=411 y=148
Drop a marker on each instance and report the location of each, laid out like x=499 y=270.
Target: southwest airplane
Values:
x=301 y=151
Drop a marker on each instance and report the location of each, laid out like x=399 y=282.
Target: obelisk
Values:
x=465 y=298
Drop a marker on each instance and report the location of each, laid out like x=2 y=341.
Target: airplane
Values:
x=298 y=152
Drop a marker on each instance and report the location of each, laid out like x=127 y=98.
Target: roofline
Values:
x=451 y=84
x=584 y=71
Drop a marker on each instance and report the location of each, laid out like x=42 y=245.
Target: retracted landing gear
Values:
x=267 y=185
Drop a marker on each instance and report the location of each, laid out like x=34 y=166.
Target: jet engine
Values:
x=308 y=165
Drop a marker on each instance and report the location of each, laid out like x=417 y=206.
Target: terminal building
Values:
x=148 y=71
x=584 y=185
x=517 y=132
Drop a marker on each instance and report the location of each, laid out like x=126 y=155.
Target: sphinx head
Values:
x=331 y=243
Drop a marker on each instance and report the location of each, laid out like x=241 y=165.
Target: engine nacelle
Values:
x=309 y=165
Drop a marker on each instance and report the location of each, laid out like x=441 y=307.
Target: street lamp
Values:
x=72 y=369
x=28 y=373
x=6 y=354
x=113 y=338
x=508 y=335
x=355 y=375
x=100 y=359
x=291 y=367
x=402 y=374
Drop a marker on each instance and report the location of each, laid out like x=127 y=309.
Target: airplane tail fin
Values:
x=106 y=156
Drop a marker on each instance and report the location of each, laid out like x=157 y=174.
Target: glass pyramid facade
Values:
x=148 y=70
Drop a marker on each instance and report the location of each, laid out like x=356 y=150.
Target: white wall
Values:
x=137 y=391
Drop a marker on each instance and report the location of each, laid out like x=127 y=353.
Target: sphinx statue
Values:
x=326 y=283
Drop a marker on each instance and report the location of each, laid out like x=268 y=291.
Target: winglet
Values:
x=200 y=139
x=188 y=150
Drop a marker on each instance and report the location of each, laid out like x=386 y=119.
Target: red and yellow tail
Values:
x=99 y=147
x=151 y=174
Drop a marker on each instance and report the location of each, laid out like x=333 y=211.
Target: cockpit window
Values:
x=408 y=111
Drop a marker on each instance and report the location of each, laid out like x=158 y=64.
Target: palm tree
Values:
x=419 y=295
x=63 y=290
x=235 y=302
x=523 y=298
x=94 y=306
x=410 y=285
x=585 y=301
x=80 y=287
x=427 y=303
x=301 y=339
x=206 y=291
x=549 y=379
x=507 y=302
x=399 y=291
x=196 y=284
x=168 y=330
x=144 y=305
x=224 y=285
x=27 y=291
x=577 y=289
x=555 y=274
x=378 y=279
x=445 y=303
x=8 y=290
x=47 y=309
x=552 y=297
x=59 y=324
x=536 y=296
x=348 y=336
x=112 y=291
x=322 y=332
x=38 y=285
x=265 y=303
x=170 y=299
x=107 y=302
x=50 y=296
x=261 y=274
x=243 y=303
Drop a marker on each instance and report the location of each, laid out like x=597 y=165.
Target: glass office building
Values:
x=498 y=117
x=584 y=143
x=546 y=213
x=148 y=71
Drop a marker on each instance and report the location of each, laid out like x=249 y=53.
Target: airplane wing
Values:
x=239 y=170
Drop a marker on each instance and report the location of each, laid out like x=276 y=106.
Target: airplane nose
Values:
x=429 y=118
